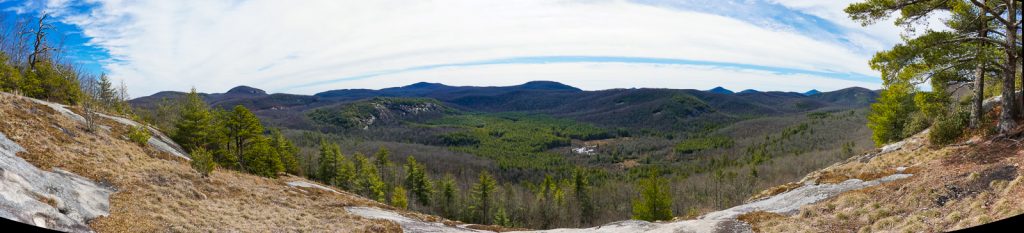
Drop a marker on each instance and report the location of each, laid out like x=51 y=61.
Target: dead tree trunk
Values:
x=39 y=45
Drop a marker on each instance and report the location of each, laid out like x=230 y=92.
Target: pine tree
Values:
x=262 y=159
x=483 y=195
x=328 y=162
x=106 y=91
x=982 y=35
x=346 y=172
x=242 y=129
x=889 y=115
x=202 y=162
x=217 y=141
x=655 y=202
x=448 y=190
x=417 y=182
x=548 y=204
x=10 y=77
x=581 y=189
x=385 y=169
x=192 y=129
x=399 y=198
x=502 y=218
x=368 y=182
x=285 y=150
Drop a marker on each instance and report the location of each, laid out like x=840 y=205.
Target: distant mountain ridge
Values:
x=670 y=109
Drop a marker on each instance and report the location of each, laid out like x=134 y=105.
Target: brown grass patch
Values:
x=984 y=153
x=775 y=191
x=757 y=217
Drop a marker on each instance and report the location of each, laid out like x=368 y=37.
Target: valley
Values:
x=715 y=149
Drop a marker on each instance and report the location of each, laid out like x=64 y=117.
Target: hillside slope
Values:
x=656 y=109
x=952 y=187
x=58 y=175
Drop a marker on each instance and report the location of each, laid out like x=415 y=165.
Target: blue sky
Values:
x=311 y=46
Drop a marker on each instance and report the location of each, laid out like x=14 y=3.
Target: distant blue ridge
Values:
x=603 y=59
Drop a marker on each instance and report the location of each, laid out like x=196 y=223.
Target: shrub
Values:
x=948 y=129
x=202 y=161
x=139 y=135
x=918 y=122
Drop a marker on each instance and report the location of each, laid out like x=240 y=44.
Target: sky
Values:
x=309 y=46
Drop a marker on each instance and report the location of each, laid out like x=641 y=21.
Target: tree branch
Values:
x=994 y=14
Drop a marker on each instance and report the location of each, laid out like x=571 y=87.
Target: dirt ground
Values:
x=953 y=187
x=157 y=192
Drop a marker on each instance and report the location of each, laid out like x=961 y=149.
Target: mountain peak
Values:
x=421 y=85
x=721 y=90
x=749 y=91
x=812 y=92
x=547 y=85
x=246 y=90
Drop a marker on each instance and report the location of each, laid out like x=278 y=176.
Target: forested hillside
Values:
x=544 y=155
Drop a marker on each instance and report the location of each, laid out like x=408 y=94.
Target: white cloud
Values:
x=215 y=45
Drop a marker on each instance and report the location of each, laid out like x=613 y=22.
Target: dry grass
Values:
x=952 y=188
x=753 y=218
x=156 y=193
x=775 y=191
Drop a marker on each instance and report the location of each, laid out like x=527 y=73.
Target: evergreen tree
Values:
x=483 y=195
x=262 y=159
x=368 y=182
x=385 y=169
x=399 y=198
x=192 y=129
x=328 y=162
x=202 y=162
x=242 y=129
x=982 y=35
x=655 y=202
x=285 y=150
x=448 y=190
x=10 y=77
x=889 y=115
x=346 y=172
x=417 y=182
x=581 y=189
x=106 y=91
x=502 y=218
x=546 y=197
x=217 y=140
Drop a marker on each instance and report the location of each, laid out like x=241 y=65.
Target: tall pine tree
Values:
x=483 y=198
x=655 y=201
x=192 y=129
x=243 y=128
x=417 y=182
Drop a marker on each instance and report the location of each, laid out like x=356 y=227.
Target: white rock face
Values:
x=61 y=109
x=789 y=203
x=56 y=200
x=408 y=224
x=158 y=140
x=309 y=185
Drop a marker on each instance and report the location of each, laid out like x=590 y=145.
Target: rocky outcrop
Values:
x=56 y=200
